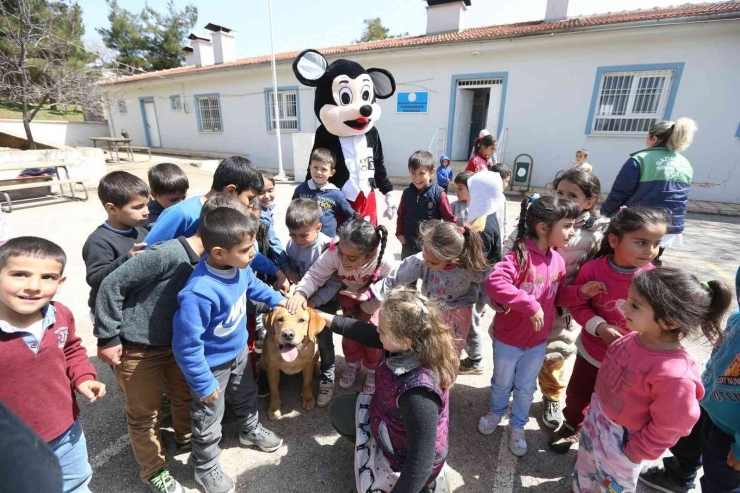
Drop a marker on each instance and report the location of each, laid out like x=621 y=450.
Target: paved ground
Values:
x=313 y=458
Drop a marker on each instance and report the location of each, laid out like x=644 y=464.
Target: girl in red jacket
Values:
x=648 y=390
x=525 y=283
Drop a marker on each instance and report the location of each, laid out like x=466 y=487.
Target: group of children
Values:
x=177 y=308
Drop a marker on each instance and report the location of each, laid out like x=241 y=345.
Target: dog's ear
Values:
x=315 y=324
x=268 y=320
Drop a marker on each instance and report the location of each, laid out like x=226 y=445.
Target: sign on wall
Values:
x=412 y=102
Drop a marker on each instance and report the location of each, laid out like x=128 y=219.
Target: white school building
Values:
x=545 y=88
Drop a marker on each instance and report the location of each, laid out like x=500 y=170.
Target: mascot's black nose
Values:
x=366 y=110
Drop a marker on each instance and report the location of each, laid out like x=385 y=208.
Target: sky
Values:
x=301 y=24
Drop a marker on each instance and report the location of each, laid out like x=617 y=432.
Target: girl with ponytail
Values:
x=648 y=390
x=451 y=267
x=658 y=176
x=358 y=259
x=400 y=432
x=482 y=160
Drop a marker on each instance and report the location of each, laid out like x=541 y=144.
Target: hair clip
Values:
x=534 y=198
x=462 y=230
x=422 y=307
x=376 y=274
x=622 y=208
x=706 y=286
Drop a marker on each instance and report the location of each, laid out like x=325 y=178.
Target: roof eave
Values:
x=583 y=29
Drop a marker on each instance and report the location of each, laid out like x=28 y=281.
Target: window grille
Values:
x=288 y=107
x=122 y=106
x=479 y=82
x=175 y=103
x=208 y=111
x=630 y=102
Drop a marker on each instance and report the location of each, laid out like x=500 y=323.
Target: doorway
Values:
x=151 y=125
x=477 y=105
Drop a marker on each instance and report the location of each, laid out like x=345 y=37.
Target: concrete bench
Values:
x=16 y=183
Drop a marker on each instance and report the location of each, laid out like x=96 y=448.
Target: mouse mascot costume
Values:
x=345 y=104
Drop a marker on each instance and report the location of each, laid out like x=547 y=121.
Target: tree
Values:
x=42 y=59
x=374 y=31
x=149 y=40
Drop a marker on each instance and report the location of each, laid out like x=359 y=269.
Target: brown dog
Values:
x=290 y=346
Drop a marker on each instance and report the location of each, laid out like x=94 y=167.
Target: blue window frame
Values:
x=208 y=113
x=175 y=103
x=628 y=99
x=289 y=105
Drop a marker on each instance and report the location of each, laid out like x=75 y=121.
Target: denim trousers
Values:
x=515 y=368
x=71 y=450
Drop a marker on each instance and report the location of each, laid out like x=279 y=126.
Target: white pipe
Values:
x=281 y=173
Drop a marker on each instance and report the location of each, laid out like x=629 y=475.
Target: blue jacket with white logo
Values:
x=210 y=328
x=721 y=380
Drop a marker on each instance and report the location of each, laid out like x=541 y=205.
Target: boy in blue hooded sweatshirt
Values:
x=714 y=441
x=210 y=341
x=444 y=173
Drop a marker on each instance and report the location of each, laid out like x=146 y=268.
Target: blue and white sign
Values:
x=412 y=102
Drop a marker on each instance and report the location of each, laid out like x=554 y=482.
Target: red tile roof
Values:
x=478 y=33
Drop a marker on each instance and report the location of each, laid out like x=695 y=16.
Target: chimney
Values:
x=446 y=15
x=223 y=44
x=556 y=10
x=189 y=56
x=202 y=50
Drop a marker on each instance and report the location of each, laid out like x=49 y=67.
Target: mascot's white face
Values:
x=354 y=110
x=346 y=93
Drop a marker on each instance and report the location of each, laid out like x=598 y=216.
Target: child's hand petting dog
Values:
x=296 y=302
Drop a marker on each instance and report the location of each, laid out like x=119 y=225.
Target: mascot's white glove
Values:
x=391 y=204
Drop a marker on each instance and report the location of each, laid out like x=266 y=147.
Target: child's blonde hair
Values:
x=411 y=316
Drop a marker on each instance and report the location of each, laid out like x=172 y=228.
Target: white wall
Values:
x=54 y=133
x=550 y=85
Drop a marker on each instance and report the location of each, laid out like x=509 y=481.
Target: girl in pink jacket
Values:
x=357 y=259
x=525 y=283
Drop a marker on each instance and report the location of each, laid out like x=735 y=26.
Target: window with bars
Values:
x=208 y=113
x=175 y=103
x=287 y=106
x=122 y=106
x=630 y=102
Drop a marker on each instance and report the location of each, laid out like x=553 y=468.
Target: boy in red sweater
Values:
x=41 y=357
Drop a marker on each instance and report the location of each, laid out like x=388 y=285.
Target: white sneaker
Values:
x=369 y=387
x=517 y=442
x=326 y=392
x=349 y=376
x=488 y=423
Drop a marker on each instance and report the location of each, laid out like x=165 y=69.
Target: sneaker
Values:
x=658 y=478
x=183 y=448
x=471 y=367
x=215 y=481
x=326 y=392
x=164 y=483
x=517 y=442
x=261 y=437
x=263 y=386
x=369 y=386
x=564 y=438
x=349 y=376
x=488 y=423
x=552 y=416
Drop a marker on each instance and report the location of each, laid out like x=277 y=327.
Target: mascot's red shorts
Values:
x=366 y=207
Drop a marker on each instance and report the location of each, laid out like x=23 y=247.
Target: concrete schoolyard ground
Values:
x=314 y=458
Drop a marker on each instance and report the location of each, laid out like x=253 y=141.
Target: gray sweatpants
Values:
x=236 y=380
x=477 y=335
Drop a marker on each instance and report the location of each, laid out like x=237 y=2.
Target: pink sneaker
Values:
x=349 y=376
x=369 y=387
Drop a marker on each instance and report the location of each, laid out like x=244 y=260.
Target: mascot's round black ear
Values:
x=385 y=84
x=309 y=66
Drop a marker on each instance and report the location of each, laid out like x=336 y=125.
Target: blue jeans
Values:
x=71 y=450
x=518 y=368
